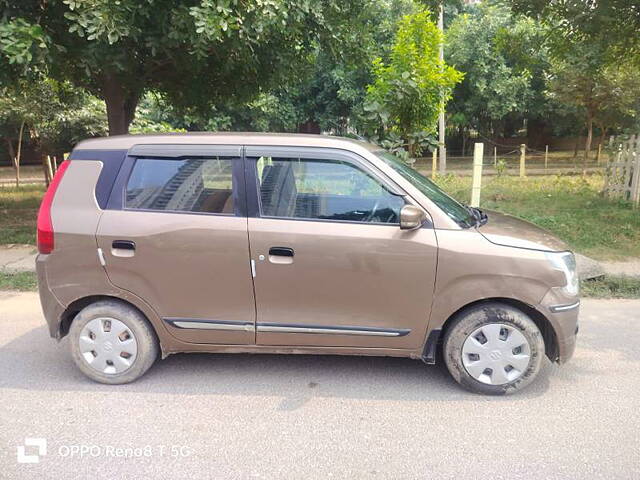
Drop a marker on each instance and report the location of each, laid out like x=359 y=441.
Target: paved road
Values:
x=263 y=416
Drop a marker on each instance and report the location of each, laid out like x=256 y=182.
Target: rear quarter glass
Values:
x=112 y=161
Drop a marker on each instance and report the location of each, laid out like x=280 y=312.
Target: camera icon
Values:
x=40 y=443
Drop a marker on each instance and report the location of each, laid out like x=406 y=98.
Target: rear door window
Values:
x=202 y=185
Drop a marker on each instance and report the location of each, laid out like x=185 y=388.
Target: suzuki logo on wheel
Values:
x=40 y=443
x=495 y=355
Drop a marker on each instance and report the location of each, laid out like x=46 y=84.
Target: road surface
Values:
x=263 y=416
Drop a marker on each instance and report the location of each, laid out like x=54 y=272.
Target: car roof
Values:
x=125 y=142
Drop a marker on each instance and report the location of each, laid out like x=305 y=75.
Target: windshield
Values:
x=455 y=210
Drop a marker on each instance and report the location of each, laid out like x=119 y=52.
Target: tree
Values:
x=51 y=115
x=333 y=95
x=326 y=94
x=405 y=95
x=198 y=53
x=604 y=93
x=613 y=24
x=505 y=62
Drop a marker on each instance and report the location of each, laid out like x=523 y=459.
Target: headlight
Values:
x=566 y=263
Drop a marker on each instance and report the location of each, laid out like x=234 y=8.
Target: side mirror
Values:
x=411 y=217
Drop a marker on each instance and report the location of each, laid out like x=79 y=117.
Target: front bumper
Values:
x=562 y=312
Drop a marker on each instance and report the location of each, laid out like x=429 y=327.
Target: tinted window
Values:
x=190 y=185
x=323 y=189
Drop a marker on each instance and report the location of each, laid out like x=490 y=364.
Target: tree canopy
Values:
x=406 y=93
x=613 y=24
x=197 y=53
x=367 y=68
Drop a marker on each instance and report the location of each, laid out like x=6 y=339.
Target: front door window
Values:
x=319 y=189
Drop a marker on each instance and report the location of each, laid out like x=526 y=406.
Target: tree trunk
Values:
x=12 y=152
x=587 y=144
x=464 y=142
x=310 y=126
x=45 y=170
x=603 y=134
x=412 y=147
x=19 y=154
x=121 y=105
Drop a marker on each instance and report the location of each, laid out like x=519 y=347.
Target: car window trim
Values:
x=164 y=150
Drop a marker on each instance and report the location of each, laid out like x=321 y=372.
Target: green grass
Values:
x=22 y=281
x=611 y=287
x=26 y=171
x=569 y=206
x=18 y=213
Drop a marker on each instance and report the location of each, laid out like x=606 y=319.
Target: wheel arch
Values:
x=541 y=321
x=74 y=308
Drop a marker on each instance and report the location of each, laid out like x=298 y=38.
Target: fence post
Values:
x=495 y=156
x=635 y=183
x=599 y=153
x=634 y=163
x=434 y=162
x=629 y=170
x=546 y=156
x=45 y=171
x=523 y=149
x=478 y=153
x=49 y=168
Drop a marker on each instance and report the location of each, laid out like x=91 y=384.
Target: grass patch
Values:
x=569 y=206
x=18 y=213
x=611 y=287
x=21 y=281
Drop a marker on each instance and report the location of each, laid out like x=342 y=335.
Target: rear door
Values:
x=332 y=267
x=175 y=234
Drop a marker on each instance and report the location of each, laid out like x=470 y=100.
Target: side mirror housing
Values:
x=411 y=217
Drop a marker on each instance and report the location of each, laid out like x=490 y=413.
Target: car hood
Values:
x=510 y=231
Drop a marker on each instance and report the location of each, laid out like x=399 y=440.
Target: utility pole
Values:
x=443 y=149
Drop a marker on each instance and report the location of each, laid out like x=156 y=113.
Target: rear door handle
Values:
x=123 y=245
x=281 y=252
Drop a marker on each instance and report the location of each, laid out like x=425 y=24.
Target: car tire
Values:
x=486 y=349
x=112 y=342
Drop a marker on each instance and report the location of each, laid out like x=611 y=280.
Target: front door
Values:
x=175 y=235
x=332 y=267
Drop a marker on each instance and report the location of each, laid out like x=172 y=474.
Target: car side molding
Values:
x=205 y=324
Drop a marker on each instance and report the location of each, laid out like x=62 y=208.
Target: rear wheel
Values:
x=493 y=349
x=112 y=342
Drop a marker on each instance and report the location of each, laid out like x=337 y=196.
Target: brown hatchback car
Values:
x=264 y=243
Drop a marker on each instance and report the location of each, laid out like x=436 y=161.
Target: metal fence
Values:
x=622 y=172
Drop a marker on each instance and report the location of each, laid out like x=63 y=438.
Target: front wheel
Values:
x=493 y=349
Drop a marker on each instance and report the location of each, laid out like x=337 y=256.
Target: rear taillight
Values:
x=45 y=225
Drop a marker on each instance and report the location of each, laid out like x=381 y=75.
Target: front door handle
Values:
x=123 y=245
x=281 y=252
